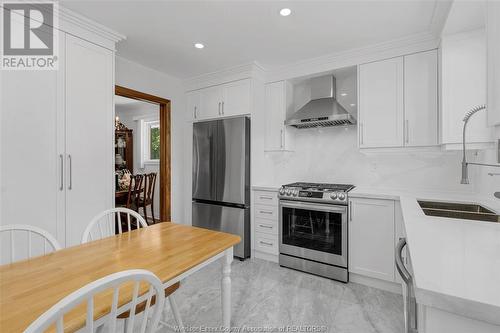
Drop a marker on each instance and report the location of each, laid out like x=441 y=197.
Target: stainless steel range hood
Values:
x=322 y=110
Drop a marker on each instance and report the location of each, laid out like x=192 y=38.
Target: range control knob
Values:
x=333 y=195
x=282 y=191
x=341 y=196
x=295 y=192
x=288 y=191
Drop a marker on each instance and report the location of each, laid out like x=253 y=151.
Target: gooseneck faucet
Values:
x=465 y=172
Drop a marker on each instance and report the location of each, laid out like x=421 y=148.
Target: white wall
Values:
x=331 y=155
x=141 y=78
x=486 y=185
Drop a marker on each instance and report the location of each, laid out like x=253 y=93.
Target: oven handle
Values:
x=306 y=205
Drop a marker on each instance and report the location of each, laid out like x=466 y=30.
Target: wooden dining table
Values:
x=171 y=251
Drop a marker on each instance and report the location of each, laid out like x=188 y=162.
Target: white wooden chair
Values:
x=103 y=225
x=85 y=295
x=31 y=233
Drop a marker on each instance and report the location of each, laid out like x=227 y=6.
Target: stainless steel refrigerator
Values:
x=221 y=178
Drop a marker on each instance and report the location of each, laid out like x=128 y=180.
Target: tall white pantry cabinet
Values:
x=57 y=128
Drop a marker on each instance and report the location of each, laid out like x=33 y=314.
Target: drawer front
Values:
x=266 y=212
x=266 y=226
x=266 y=243
x=266 y=198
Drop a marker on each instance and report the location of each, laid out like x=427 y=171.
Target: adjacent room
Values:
x=250 y=166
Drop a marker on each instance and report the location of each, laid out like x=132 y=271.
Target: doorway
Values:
x=151 y=122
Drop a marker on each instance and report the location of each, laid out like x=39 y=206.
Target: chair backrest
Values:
x=98 y=292
x=109 y=223
x=150 y=183
x=135 y=189
x=37 y=241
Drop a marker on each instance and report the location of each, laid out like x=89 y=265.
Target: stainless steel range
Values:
x=313 y=228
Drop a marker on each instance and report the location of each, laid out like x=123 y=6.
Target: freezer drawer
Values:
x=227 y=219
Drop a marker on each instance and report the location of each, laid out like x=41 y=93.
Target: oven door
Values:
x=313 y=231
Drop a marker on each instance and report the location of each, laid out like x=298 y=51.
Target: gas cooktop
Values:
x=316 y=192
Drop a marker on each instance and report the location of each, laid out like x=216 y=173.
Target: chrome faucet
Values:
x=465 y=164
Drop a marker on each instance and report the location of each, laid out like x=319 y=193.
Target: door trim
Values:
x=165 y=145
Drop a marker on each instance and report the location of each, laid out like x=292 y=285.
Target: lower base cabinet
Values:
x=265 y=239
x=371 y=238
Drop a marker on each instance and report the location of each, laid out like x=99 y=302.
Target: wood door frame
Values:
x=165 y=145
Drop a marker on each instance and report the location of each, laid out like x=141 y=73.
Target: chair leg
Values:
x=145 y=213
x=176 y=313
x=153 y=213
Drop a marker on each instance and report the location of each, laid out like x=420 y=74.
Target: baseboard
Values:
x=392 y=287
x=265 y=256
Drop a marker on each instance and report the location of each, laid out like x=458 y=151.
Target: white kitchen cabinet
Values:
x=493 y=61
x=224 y=100
x=398 y=102
x=57 y=141
x=89 y=158
x=32 y=149
x=381 y=113
x=463 y=77
x=265 y=241
x=236 y=98
x=278 y=103
x=210 y=103
x=371 y=238
x=193 y=105
x=421 y=99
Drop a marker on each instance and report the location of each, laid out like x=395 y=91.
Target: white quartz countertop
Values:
x=455 y=262
x=273 y=188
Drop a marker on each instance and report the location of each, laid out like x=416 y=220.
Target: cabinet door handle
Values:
x=266 y=243
x=222 y=107
x=195 y=113
x=265 y=197
x=219 y=109
x=61 y=180
x=350 y=210
x=281 y=138
x=407 y=132
x=70 y=165
x=265 y=226
x=265 y=212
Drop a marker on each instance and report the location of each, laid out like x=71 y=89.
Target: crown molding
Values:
x=439 y=16
x=394 y=48
x=83 y=22
x=244 y=71
x=73 y=23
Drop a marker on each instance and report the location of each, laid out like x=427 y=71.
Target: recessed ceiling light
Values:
x=343 y=94
x=285 y=11
x=199 y=45
x=352 y=105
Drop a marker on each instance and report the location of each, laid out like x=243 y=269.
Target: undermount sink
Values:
x=467 y=211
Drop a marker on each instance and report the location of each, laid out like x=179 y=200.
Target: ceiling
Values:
x=161 y=34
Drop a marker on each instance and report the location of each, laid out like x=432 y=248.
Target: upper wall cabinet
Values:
x=398 y=104
x=421 y=99
x=229 y=99
x=278 y=99
x=463 y=75
x=493 y=56
x=381 y=104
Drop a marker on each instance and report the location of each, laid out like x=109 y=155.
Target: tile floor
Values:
x=267 y=297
